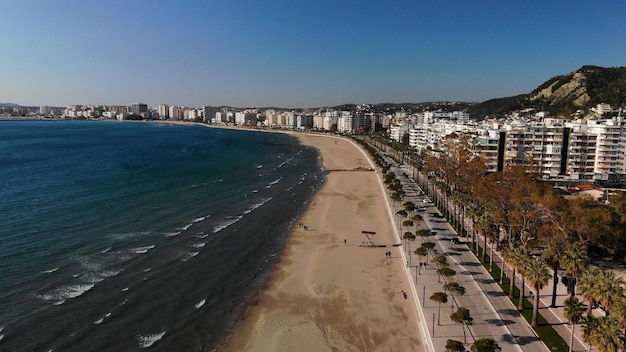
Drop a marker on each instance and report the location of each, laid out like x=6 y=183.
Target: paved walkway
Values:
x=494 y=314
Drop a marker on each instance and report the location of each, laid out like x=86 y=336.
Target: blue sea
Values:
x=121 y=236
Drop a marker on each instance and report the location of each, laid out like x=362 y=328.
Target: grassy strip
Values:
x=544 y=330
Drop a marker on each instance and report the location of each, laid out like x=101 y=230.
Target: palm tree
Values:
x=587 y=286
x=401 y=214
x=421 y=252
x=439 y=297
x=551 y=254
x=440 y=261
x=429 y=245
x=521 y=257
x=574 y=310
x=537 y=275
x=462 y=316
x=603 y=332
x=445 y=272
x=609 y=289
x=485 y=345
x=455 y=290
x=408 y=237
x=454 y=346
x=574 y=260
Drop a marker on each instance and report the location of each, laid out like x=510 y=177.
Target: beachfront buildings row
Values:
x=569 y=150
x=591 y=149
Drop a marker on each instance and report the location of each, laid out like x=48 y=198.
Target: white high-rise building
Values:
x=163 y=112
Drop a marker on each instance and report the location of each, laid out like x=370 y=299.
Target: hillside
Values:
x=565 y=94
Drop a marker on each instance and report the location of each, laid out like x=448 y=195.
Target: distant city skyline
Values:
x=300 y=54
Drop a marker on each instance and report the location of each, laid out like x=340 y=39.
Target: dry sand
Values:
x=326 y=295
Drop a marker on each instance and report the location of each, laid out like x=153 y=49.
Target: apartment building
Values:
x=591 y=150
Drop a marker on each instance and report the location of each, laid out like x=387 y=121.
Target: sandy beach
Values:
x=327 y=295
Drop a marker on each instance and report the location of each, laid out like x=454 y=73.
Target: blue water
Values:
x=125 y=236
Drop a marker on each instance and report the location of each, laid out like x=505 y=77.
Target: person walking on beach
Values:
x=345 y=241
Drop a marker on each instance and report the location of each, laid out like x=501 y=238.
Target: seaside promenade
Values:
x=507 y=327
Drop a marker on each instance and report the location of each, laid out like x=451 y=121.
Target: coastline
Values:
x=327 y=295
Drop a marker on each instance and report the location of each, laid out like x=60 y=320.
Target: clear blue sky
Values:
x=297 y=53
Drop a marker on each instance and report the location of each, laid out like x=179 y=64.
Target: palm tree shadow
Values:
x=500 y=322
x=519 y=340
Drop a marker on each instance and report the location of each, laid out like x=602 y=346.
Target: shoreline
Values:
x=326 y=294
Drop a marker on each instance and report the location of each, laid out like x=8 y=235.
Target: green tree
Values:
x=604 y=333
x=485 y=345
x=587 y=286
x=421 y=252
x=440 y=298
x=574 y=260
x=440 y=261
x=609 y=289
x=462 y=316
x=551 y=254
x=445 y=273
x=573 y=312
x=454 y=346
x=408 y=238
x=537 y=275
x=454 y=289
x=429 y=245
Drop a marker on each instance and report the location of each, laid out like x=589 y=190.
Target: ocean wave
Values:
x=172 y=234
x=125 y=289
x=202 y=235
x=200 y=304
x=106 y=250
x=48 y=272
x=101 y=320
x=127 y=235
x=186 y=227
x=188 y=255
x=229 y=221
x=274 y=182
x=147 y=340
x=142 y=250
x=58 y=295
x=199 y=219
x=257 y=205
x=198 y=245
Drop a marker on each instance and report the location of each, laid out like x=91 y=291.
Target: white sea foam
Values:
x=91 y=277
x=186 y=227
x=106 y=250
x=199 y=244
x=127 y=235
x=273 y=182
x=147 y=340
x=125 y=289
x=1 y=337
x=255 y=191
x=198 y=219
x=147 y=270
x=48 y=272
x=229 y=221
x=142 y=250
x=200 y=304
x=202 y=235
x=172 y=234
x=188 y=255
x=259 y=166
x=60 y=294
x=101 y=320
x=256 y=205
